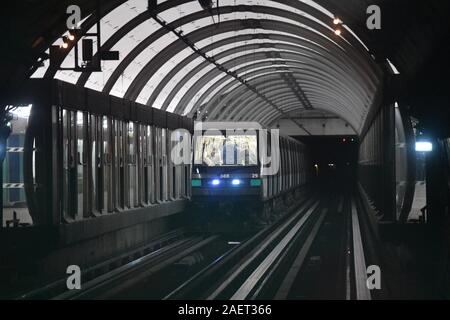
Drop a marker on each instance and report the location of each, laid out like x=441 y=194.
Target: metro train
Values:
x=229 y=178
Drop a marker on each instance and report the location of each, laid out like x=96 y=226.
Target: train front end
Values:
x=226 y=173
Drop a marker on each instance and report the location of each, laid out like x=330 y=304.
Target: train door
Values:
x=72 y=209
x=82 y=163
x=121 y=165
x=161 y=163
x=141 y=146
x=115 y=165
x=96 y=142
x=266 y=180
x=106 y=164
x=187 y=170
x=132 y=165
x=178 y=171
x=158 y=164
x=144 y=199
x=171 y=174
x=125 y=185
x=164 y=166
x=150 y=155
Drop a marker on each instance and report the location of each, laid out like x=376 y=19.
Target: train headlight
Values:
x=236 y=182
x=215 y=182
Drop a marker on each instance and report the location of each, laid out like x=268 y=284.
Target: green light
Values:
x=196 y=182
x=255 y=182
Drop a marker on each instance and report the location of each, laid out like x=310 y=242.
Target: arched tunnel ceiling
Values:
x=276 y=46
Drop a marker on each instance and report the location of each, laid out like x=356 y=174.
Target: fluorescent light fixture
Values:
x=393 y=68
x=424 y=146
x=215 y=182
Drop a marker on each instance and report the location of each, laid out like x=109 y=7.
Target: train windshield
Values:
x=233 y=150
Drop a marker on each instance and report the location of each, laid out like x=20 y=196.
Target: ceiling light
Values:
x=337 y=21
x=71 y=36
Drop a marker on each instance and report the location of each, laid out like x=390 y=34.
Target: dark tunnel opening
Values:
x=333 y=158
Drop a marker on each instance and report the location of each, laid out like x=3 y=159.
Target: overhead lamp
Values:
x=337 y=21
x=71 y=36
x=65 y=43
x=338 y=32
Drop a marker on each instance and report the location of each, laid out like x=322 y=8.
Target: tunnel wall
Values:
x=376 y=165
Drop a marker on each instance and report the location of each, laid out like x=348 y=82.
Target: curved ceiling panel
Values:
x=285 y=50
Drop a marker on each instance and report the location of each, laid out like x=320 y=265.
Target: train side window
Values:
x=115 y=159
x=69 y=201
x=106 y=165
x=132 y=164
x=122 y=165
x=170 y=169
x=164 y=166
x=151 y=164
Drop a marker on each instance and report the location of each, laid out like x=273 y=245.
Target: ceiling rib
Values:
x=252 y=24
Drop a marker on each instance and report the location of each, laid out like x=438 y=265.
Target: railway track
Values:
x=157 y=250
x=315 y=252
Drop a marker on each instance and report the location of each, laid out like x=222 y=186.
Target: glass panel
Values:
x=82 y=180
x=121 y=154
x=151 y=165
x=158 y=165
x=132 y=172
x=15 y=208
x=71 y=209
x=171 y=184
x=164 y=166
x=107 y=166
x=234 y=150
x=115 y=171
x=65 y=118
